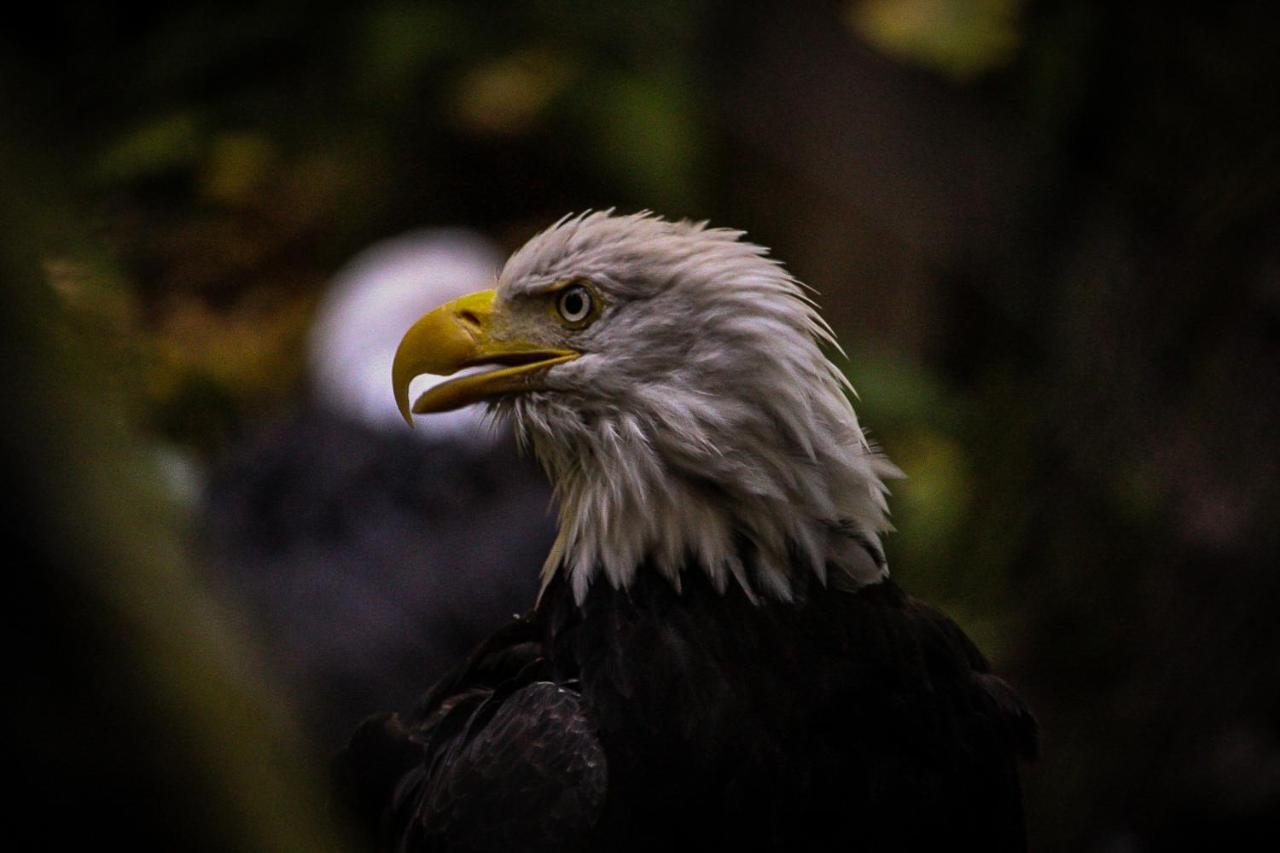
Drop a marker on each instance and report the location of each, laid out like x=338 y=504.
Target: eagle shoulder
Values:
x=496 y=757
x=992 y=697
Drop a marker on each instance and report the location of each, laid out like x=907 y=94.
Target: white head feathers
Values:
x=702 y=424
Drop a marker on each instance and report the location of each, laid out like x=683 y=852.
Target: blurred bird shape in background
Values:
x=368 y=558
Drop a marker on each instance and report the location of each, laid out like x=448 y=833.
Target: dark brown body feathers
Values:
x=648 y=718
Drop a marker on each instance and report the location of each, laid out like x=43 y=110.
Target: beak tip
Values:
x=402 y=403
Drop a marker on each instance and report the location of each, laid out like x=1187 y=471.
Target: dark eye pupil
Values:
x=574 y=303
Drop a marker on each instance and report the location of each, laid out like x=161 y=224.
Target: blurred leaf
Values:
x=400 y=41
x=98 y=312
x=897 y=392
x=507 y=96
x=252 y=351
x=934 y=498
x=90 y=297
x=960 y=38
x=162 y=144
x=646 y=137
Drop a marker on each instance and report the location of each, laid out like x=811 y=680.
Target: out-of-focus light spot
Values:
x=178 y=474
x=507 y=96
x=236 y=167
x=960 y=38
x=935 y=495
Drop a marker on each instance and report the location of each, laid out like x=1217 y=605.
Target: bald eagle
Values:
x=717 y=657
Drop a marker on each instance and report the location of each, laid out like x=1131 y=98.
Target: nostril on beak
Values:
x=470 y=319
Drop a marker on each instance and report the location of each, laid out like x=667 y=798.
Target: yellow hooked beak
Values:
x=458 y=335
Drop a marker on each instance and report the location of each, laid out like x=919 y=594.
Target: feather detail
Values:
x=702 y=409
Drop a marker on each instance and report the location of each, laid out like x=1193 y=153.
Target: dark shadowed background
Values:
x=1048 y=233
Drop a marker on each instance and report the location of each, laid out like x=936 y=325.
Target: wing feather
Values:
x=495 y=758
x=525 y=772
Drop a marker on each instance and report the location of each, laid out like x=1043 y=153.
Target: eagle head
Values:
x=671 y=379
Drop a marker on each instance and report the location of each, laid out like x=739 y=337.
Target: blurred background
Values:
x=1048 y=233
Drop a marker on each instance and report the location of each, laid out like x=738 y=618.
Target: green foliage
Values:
x=962 y=39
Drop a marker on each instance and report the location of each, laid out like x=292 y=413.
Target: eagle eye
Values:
x=575 y=304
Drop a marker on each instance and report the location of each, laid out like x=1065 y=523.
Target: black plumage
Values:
x=651 y=718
